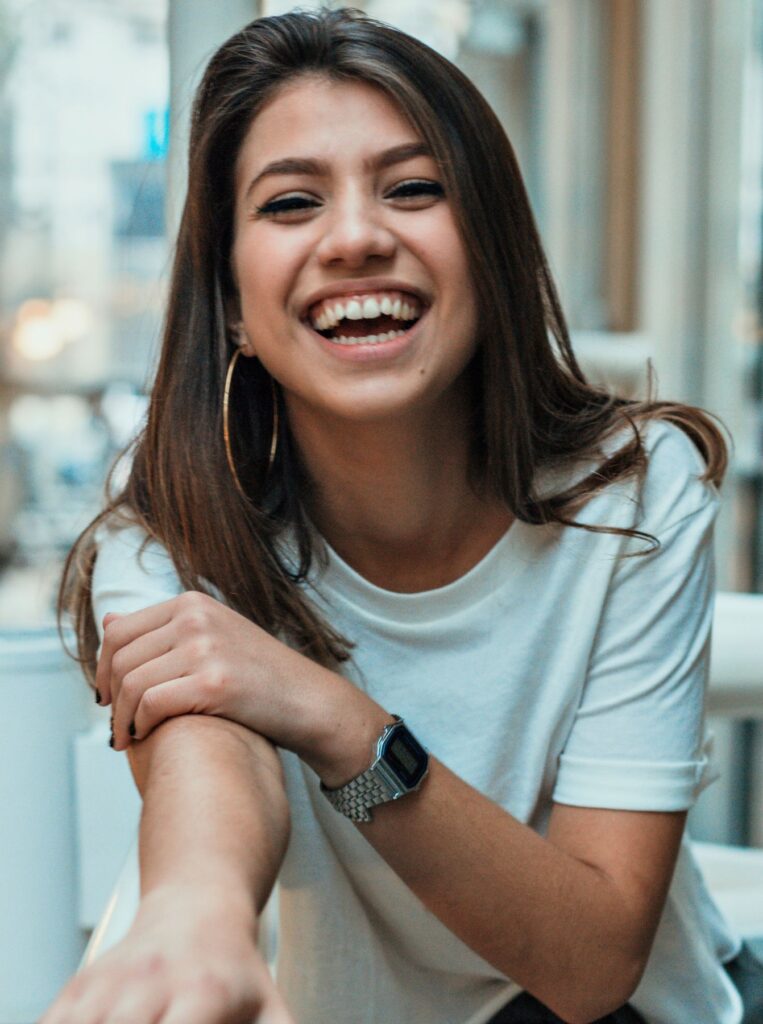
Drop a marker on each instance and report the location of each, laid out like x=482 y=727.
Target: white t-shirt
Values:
x=553 y=671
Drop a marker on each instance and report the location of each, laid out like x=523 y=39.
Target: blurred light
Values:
x=36 y=337
x=73 y=317
x=156 y=134
x=43 y=327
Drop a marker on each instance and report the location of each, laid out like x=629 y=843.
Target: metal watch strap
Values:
x=354 y=799
x=382 y=781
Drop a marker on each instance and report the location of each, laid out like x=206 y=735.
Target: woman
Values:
x=374 y=484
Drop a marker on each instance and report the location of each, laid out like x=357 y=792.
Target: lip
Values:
x=380 y=350
x=361 y=286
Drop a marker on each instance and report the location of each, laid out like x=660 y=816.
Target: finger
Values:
x=102 y=693
x=135 y=655
x=81 y=1002
x=144 y=1005
x=65 y=1008
x=274 y=1012
x=181 y=696
x=61 y=1012
x=168 y=665
x=207 y=1005
x=120 y=630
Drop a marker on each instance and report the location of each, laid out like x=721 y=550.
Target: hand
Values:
x=189 y=958
x=193 y=654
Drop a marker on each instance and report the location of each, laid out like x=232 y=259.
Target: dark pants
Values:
x=525 y=1009
x=745 y=970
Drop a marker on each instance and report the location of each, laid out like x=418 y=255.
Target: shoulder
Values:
x=132 y=570
x=673 y=487
x=128 y=548
x=669 y=489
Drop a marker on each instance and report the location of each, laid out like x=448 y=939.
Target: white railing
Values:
x=736 y=667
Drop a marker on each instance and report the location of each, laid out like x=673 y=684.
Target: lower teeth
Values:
x=370 y=339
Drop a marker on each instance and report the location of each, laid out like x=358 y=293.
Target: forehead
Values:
x=317 y=117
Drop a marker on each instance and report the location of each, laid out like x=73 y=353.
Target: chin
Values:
x=377 y=408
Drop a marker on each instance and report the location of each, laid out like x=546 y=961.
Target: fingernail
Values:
x=97 y=696
x=132 y=728
x=111 y=739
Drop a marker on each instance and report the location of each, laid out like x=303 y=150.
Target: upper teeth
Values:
x=368 y=308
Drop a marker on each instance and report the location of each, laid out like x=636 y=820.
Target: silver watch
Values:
x=399 y=767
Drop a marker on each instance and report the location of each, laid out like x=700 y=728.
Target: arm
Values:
x=214 y=808
x=213 y=832
x=570 y=917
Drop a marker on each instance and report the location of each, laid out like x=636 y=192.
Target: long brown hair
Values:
x=533 y=408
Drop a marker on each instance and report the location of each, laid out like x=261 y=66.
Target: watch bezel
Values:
x=389 y=766
x=387 y=779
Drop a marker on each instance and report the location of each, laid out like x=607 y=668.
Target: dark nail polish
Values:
x=132 y=728
x=111 y=739
x=97 y=696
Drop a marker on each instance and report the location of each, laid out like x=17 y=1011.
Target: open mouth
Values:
x=365 y=319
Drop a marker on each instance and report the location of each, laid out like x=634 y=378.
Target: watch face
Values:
x=406 y=757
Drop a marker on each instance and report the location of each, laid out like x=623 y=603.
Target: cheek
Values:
x=259 y=280
x=451 y=268
x=460 y=297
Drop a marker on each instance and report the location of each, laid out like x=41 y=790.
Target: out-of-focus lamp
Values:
x=43 y=327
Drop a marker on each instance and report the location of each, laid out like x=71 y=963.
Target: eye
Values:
x=417 y=188
x=286 y=205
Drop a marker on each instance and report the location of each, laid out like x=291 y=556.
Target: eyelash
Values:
x=413 y=188
x=405 y=190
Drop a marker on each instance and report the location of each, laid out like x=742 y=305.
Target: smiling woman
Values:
x=376 y=496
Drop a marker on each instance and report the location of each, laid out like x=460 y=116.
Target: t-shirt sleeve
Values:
x=637 y=741
x=127 y=576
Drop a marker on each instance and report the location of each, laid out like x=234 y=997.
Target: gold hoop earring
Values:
x=226 y=424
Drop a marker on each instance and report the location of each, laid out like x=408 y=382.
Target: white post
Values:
x=673 y=227
x=574 y=119
x=195 y=30
x=45 y=704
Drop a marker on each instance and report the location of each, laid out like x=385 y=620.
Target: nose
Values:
x=355 y=233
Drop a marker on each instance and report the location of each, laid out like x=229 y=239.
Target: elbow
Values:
x=599 y=998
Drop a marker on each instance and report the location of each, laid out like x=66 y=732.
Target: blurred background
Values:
x=639 y=128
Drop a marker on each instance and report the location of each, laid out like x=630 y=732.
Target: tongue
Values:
x=362 y=328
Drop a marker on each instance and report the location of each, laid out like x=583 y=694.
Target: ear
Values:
x=241 y=338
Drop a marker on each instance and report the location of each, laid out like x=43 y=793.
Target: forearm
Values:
x=555 y=925
x=215 y=813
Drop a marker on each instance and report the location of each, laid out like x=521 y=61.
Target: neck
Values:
x=393 y=498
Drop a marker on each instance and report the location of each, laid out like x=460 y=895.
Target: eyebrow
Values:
x=318 y=168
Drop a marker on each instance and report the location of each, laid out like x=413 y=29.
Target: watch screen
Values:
x=406 y=757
